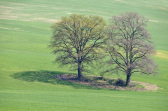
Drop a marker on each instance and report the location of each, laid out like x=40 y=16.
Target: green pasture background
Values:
x=27 y=72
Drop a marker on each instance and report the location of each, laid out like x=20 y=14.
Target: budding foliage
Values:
x=76 y=40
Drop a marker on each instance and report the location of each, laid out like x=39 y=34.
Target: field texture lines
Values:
x=27 y=71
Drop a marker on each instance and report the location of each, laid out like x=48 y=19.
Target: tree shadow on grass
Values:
x=48 y=77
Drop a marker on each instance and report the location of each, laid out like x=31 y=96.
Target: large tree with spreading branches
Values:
x=129 y=45
x=76 y=40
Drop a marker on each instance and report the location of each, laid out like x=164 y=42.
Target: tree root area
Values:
x=108 y=83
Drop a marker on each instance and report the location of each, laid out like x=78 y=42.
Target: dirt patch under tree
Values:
x=108 y=83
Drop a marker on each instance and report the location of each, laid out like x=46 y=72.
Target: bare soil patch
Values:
x=108 y=83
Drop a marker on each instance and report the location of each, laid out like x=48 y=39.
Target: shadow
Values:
x=48 y=77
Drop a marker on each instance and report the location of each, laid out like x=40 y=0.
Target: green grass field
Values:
x=26 y=68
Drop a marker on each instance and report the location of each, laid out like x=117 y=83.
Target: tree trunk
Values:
x=128 y=77
x=128 y=80
x=79 y=70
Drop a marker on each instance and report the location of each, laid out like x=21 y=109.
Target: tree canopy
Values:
x=129 y=45
x=76 y=40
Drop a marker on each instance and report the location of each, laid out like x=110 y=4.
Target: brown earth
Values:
x=97 y=81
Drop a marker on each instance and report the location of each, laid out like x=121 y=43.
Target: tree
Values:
x=129 y=45
x=76 y=40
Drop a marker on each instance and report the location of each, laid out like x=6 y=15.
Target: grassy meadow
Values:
x=27 y=71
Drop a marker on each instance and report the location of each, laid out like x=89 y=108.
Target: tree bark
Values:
x=128 y=77
x=79 y=70
x=128 y=80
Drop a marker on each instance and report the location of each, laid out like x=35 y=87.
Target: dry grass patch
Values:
x=162 y=54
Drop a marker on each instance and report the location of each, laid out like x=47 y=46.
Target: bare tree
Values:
x=76 y=40
x=129 y=46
